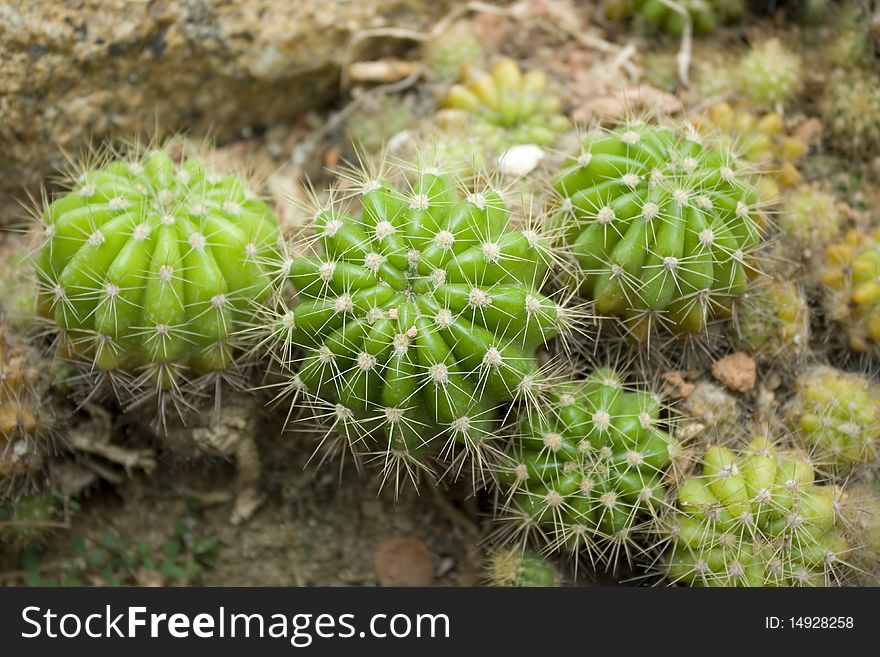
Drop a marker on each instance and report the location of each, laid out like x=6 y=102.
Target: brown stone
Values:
x=404 y=561
x=736 y=371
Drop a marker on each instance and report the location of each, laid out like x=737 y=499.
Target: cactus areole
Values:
x=422 y=312
x=151 y=267
x=658 y=224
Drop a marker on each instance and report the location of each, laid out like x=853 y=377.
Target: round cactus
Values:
x=850 y=109
x=660 y=226
x=705 y=14
x=25 y=419
x=761 y=140
x=149 y=266
x=588 y=467
x=773 y=321
x=837 y=415
x=850 y=279
x=378 y=120
x=810 y=218
x=27 y=524
x=447 y=53
x=770 y=73
x=417 y=316
x=505 y=107
x=513 y=567
x=756 y=517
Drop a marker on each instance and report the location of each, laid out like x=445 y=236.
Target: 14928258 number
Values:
x=821 y=622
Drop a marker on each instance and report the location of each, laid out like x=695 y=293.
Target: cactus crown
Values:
x=149 y=265
x=659 y=225
x=588 y=467
x=770 y=73
x=774 y=320
x=417 y=314
x=755 y=518
x=507 y=106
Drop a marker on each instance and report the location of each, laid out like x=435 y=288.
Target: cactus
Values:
x=416 y=317
x=761 y=140
x=504 y=107
x=770 y=74
x=149 y=266
x=25 y=416
x=860 y=509
x=850 y=108
x=773 y=321
x=378 y=120
x=705 y=14
x=589 y=468
x=28 y=523
x=455 y=48
x=850 y=278
x=837 y=416
x=660 y=226
x=755 y=517
x=512 y=567
x=810 y=218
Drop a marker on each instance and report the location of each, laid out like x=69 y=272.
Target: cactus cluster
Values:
x=504 y=107
x=850 y=278
x=513 y=567
x=417 y=315
x=771 y=74
x=150 y=264
x=773 y=321
x=588 y=467
x=451 y=50
x=705 y=14
x=660 y=225
x=755 y=517
x=760 y=139
x=25 y=416
x=837 y=415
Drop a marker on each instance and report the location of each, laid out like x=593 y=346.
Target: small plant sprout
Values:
x=149 y=265
x=659 y=226
x=418 y=314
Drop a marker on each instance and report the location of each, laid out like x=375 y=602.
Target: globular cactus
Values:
x=755 y=517
x=504 y=107
x=850 y=279
x=149 y=265
x=513 y=567
x=660 y=226
x=773 y=321
x=378 y=120
x=860 y=508
x=416 y=316
x=810 y=218
x=25 y=415
x=589 y=468
x=451 y=50
x=705 y=14
x=760 y=139
x=837 y=417
x=850 y=109
x=28 y=523
x=770 y=74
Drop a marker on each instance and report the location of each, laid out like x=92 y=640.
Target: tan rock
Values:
x=736 y=371
x=404 y=561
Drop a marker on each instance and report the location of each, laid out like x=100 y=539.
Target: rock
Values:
x=92 y=69
x=404 y=562
x=736 y=371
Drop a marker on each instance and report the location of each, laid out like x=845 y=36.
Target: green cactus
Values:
x=149 y=266
x=773 y=321
x=810 y=218
x=512 y=567
x=504 y=107
x=850 y=109
x=850 y=278
x=377 y=120
x=837 y=415
x=447 y=53
x=589 y=468
x=28 y=523
x=417 y=316
x=756 y=517
x=705 y=14
x=771 y=74
x=659 y=225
